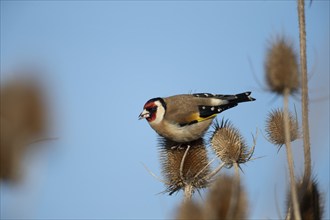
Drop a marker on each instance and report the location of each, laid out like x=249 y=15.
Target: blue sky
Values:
x=102 y=60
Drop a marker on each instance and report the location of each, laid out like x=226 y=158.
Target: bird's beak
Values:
x=144 y=114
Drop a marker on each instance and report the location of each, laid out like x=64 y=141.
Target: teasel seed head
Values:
x=184 y=165
x=309 y=199
x=229 y=145
x=22 y=121
x=24 y=105
x=281 y=66
x=275 y=127
x=224 y=202
x=190 y=210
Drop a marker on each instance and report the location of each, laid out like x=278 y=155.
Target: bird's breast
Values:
x=182 y=134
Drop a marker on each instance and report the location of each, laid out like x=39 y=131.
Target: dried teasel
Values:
x=226 y=199
x=281 y=67
x=275 y=127
x=229 y=145
x=184 y=165
x=23 y=104
x=23 y=122
x=309 y=199
x=190 y=210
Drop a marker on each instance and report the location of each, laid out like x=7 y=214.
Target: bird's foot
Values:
x=179 y=146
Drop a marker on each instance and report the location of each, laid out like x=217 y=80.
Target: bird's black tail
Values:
x=233 y=100
x=242 y=97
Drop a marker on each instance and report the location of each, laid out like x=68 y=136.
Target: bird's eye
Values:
x=152 y=109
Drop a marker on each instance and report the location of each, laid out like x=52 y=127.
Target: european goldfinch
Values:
x=185 y=118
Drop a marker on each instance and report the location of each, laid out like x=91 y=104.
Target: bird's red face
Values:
x=150 y=108
x=153 y=109
x=149 y=111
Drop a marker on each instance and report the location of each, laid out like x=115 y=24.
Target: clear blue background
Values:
x=103 y=60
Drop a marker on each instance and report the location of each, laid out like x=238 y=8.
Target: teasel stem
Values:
x=188 y=188
x=188 y=192
x=214 y=172
x=236 y=193
x=294 y=197
x=44 y=139
x=236 y=167
x=304 y=91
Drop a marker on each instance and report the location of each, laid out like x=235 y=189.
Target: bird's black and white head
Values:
x=154 y=110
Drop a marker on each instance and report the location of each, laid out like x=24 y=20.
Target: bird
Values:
x=185 y=118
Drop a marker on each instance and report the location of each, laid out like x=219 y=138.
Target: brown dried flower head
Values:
x=23 y=104
x=275 y=127
x=309 y=199
x=184 y=164
x=229 y=145
x=223 y=202
x=190 y=210
x=23 y=120
x=281 y=67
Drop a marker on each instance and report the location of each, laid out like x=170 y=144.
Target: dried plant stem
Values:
x=154 y=175
x=304 y=82
x=188 y=192
x=215 y=171
x=182 y=162
x=294 y=197
x=205 y=167
x=236 y=194
x=43 y=140
x=188 y=188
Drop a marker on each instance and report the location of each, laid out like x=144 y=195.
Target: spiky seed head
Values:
x=275 y=127
x=228 y=144
x=281 y=66
x=22 y=121
x=182 y=167
x=309 y=199
x=23 y=104
x=223 y=200
x=190 y=210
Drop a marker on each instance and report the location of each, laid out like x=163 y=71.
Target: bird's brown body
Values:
x=185 y=118
x=182 y=109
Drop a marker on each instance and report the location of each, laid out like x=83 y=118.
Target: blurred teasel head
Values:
x=309 y=199
x=225 y=200
x=281 y=67
x=184 y=165
x=275 y=127
x=23 y=105
x=229 y=145
x=189 y=210
x=23 y=117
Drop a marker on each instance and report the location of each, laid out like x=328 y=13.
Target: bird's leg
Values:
x=174 y=147
x=181 y=147
x=177 y=146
